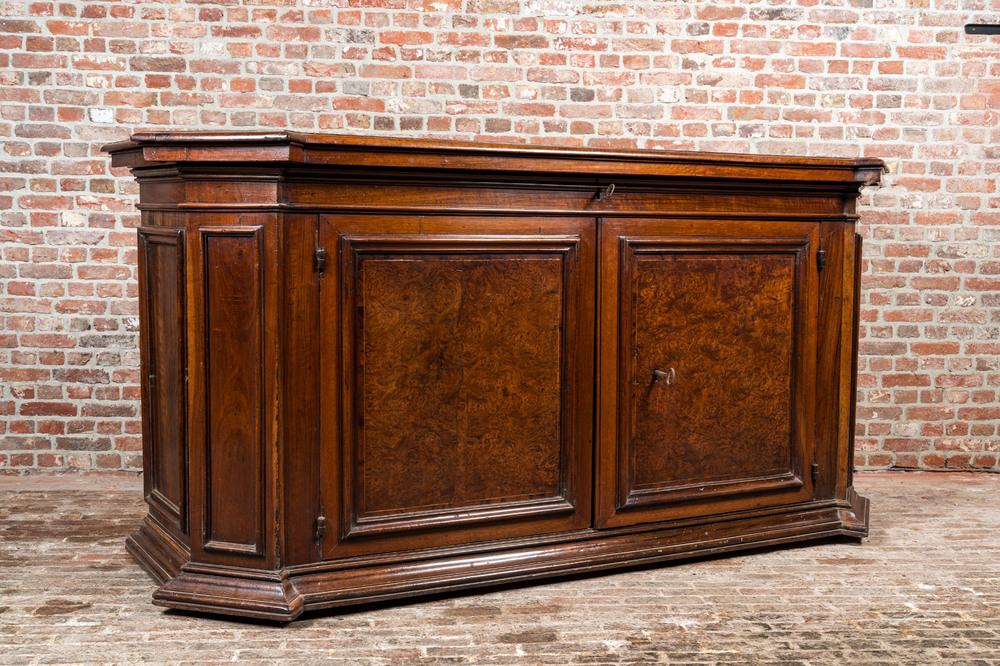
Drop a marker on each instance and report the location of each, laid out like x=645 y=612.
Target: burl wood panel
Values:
x=707 y=405
x=234 y=308
x=459 y=382
x=425 y=449
x=722 y=326
x=162 y=293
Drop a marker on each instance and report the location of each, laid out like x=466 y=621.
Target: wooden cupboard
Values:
x=377 y=368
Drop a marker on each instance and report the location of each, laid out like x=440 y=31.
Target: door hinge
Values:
x=821 y=258
x=815 y=472
x=320 y=260
x=320 y=528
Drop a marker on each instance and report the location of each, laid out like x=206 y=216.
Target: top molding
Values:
x=150 y=149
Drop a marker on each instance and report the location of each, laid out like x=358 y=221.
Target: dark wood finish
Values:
x=708 y=398
x=164 y=398
x=375 y=368
x=457 y=393
x=301 y=331
x=468 y=353
x=233 y=344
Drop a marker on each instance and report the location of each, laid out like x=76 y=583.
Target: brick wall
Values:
x=896 y=79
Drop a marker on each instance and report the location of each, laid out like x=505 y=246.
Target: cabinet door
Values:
x=457 y=357
x=707 y=363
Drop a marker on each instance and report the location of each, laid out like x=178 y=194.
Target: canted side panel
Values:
x=459 y=360
x=722 y=327
x=855 y=323
x=233 y=349
x=162 y=286
x=836 y=360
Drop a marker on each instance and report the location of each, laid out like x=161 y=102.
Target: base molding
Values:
x=284 y=594
x=156 y=552
x=268 y=598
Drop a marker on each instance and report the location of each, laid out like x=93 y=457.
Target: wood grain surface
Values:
x=467 y=347
x=233 y=359
x=375 y=367
x=725 y=324
x=162 y=304
x=460 y=392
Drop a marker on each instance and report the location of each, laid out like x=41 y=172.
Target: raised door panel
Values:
x=234 y=389
x=466 y=358
x=707 y=390
x=162 y=295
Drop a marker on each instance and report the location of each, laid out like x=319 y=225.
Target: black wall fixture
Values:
x=982 y=28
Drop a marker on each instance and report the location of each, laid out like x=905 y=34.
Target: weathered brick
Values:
x=522 y=41
x=158 y=64
x=47 y=409
x=83 y=443
x=880 y=348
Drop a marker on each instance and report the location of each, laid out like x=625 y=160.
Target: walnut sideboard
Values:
x=374 y=368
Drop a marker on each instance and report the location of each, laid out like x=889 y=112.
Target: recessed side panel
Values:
x=162 y=295
x=233 y=348
x=710 y=373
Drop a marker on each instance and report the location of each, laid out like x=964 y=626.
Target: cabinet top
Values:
x=146 y=149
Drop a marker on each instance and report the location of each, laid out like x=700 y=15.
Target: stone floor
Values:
x=924 y=588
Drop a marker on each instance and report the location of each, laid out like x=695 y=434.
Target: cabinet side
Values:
x=858 y=244
x=837 y=361
x=163 y=358
x=163 y=541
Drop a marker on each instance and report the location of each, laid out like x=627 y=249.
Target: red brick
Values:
x=521 y=41
x=386 y=71
x=47 y=340
x=979 y=413
x=929 y=413
x=935 y=348
x=908 y=379
x=282 y=33
x=50 y=460
x=536 y=109
x=911 y=314
x=75 y=28
x=905 y=444
x=406 y=37
x=921 y=52
x=47 y=409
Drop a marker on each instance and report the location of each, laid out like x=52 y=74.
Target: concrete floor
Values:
x=924 y=588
